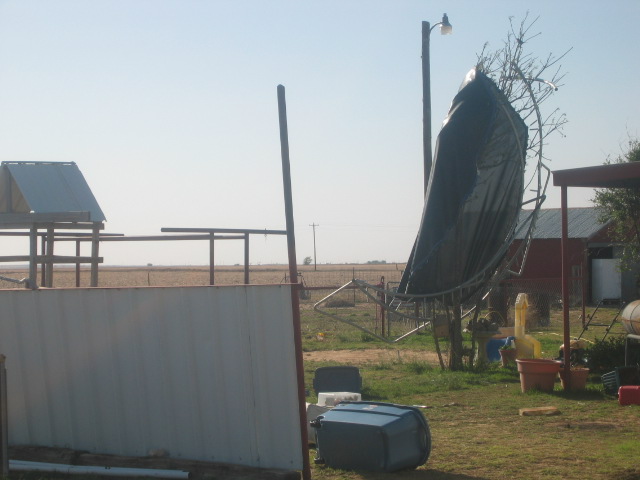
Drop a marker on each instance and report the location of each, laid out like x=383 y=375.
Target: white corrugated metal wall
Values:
x=205 y=373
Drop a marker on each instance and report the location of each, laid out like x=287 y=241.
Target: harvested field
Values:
x=173 y=276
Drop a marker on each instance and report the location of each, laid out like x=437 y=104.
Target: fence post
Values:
x=353 y=276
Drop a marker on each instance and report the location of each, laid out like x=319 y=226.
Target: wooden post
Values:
x=43 y=265
x=95 y=247
x=33 y=253
x=293 y=273
x=77 y=264
x=49 y=263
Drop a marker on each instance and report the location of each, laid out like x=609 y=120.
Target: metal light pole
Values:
x=445 y=29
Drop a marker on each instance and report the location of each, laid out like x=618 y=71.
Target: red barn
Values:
x=593 y=258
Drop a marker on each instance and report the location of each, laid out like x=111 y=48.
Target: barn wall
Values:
x=545 y=257
x=205 y=373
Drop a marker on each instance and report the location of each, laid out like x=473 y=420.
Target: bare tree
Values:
x=527 y=81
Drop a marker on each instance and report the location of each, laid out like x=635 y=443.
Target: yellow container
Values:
x=526 y=345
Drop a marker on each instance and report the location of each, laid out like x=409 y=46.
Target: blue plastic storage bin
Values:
x=372 y=436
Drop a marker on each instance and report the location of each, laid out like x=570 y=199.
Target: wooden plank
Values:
x=538 y=411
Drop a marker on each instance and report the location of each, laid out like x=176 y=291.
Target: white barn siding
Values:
x=205 y=373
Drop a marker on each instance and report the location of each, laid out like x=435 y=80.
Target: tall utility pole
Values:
x=293 y=276
x=445 y=29
x=315 y=264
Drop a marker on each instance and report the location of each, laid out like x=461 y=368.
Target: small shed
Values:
x=38 y=199
x=592 y=256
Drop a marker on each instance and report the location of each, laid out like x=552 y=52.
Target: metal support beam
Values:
x=246 y=258
x=252 y=231
x=565 y=288
x=211 y=259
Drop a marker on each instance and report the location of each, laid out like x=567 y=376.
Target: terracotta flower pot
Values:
x=578 y=379
x=537 y=373
x=508 y=356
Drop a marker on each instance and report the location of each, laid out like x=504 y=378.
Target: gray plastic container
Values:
x=372 y=436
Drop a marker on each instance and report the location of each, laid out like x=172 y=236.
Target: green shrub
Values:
x=605 y=355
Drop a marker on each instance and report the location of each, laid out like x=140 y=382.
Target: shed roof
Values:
x=583 y=223
x=46 y=187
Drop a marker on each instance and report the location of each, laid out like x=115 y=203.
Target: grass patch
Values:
x=476 y=428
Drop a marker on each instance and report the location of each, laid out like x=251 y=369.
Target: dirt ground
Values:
x=378 y=355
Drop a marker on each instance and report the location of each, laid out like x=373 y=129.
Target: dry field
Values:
x=173 y=276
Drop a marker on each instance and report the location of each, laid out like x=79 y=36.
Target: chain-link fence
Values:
x=544 y=295
x=319 y=284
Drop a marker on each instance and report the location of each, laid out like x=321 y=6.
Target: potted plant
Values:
x=508 y=353
x=578 y=380
x=537 y=373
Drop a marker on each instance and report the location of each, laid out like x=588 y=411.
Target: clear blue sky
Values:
x=169 y=109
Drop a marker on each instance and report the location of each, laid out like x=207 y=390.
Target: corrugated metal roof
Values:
x=582 y=223
x=46 y=187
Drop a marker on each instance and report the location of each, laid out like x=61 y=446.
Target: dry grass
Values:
x=158 y=276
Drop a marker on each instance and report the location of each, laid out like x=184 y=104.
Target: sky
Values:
x=169 y=109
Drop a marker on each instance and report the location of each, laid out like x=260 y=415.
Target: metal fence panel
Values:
x=205 y=373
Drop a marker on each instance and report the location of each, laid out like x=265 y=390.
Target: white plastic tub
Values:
x=330 y=399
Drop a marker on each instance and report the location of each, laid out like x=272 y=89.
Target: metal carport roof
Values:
x=46 y=187
x=618 y=175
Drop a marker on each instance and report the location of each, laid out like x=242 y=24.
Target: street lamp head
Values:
x=445 y=27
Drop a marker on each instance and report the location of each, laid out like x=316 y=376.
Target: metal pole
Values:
x=315 y=263
x=293 y=273
x=565 y=287
x=426 y=103
x=211 y=258
x=246 y=258
x=583 y=281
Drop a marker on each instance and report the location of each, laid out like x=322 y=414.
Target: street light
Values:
x=445 y=29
